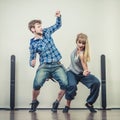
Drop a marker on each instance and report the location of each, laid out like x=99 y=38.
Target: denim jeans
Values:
x=50 y=70
x=90 y=81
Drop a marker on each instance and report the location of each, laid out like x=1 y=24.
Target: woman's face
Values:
x=81 y=44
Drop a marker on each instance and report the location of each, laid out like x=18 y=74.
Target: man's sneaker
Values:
x=34 y=105
x=55 y=106
x=90 y=107
x=66 y=109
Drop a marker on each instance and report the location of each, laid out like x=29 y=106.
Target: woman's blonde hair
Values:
x=83 y=38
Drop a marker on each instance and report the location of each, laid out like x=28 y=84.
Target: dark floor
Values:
x=48 y=115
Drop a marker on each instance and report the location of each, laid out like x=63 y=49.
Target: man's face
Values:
x=38 y=29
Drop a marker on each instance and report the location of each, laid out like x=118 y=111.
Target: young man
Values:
x=49 y=58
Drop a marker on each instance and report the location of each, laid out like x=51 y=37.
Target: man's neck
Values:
x=38 y=36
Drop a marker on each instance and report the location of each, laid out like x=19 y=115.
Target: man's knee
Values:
x=36 y=87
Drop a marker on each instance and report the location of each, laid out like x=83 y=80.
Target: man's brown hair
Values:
x=32 y=23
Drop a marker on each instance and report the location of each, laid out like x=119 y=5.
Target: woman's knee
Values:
x=72 y=88
x=71 y=93
x=97 y=83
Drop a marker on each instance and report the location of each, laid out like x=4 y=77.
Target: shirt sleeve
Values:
x=56 y=26
x=32 y=54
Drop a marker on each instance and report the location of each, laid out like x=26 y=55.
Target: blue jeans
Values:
x=90 y=81
x=50 y=70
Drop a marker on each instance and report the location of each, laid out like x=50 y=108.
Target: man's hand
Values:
x=57 y=14
x=33 y=62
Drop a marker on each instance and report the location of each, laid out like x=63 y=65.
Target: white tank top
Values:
x=75 y=65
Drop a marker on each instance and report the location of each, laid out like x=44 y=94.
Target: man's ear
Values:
x=33 y=29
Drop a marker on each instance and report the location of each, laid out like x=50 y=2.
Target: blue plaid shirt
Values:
x=45 y=47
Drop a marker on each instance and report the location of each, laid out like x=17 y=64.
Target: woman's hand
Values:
x=86 y=72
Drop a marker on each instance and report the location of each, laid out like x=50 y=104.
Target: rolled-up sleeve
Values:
x=56 y=26
x=32 y=54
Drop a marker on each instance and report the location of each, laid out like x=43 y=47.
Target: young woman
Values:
x=78 y=72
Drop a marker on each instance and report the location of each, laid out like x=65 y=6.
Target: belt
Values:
x=52 y=62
